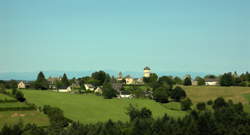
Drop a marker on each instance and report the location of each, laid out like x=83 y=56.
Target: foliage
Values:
x=200 y=81
x=187 y=81
x=41 y=83
x=65 y=81
x=186 y=104
x=167 y=80
x=151 y=79
x=99 y=78
x=178 y=93
x=201 y=106
x=19 y=96
x=161 y=95
x=227 y=79
x=108 y=92
x=2 y=88
x=178 y=80
x=219 y=103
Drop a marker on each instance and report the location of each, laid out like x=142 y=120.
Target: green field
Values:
x=5 y=97
x=11 y=117
x=13 y=105
x=205 y=93
x=91 y=108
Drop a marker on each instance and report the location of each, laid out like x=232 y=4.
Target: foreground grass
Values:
x=5 y=97
x=92 y=109
x=12 y=117
x=205 y=93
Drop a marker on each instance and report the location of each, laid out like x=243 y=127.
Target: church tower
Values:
x=147 y=72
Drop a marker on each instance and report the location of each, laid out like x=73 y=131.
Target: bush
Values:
x=187 y=81
x=14 y=91
x=210 y=102
x=19 y=96
x=161 y=95
x=178 y=93
x=219 y=103
x=186 y=104
x=201 y=106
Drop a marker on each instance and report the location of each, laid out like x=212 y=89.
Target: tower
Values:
x=147 y=72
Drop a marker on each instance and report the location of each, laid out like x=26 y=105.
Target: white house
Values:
x=98 y=90
x=89 y=87
x=21 y=85
x=65 y=90
x=124 y=94
x=211 y=82
x=129 y=80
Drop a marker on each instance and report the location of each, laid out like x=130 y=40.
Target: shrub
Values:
x=178 y=93
x=19 y=96
x=210 y=102
x=186 y=104
x=201 y=106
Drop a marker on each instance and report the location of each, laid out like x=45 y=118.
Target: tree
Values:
x=135 y=113
x=200 y=81
x=227 y=79
x=167 y=80
x=2 y=88
x=186 y=104
x=65 y=81
x=41 y=82
x=187 y=81
x=161 y=95
x=178 y=80
x=153 y=78
x=19 y=96
x=100 y=76
x=178 y=93
x=108 y=92
x=219 y=103
x=201 y=106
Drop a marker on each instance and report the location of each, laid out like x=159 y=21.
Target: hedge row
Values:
x=8 y=101
x=17 y=108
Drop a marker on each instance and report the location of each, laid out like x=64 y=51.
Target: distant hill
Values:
x=77 y=74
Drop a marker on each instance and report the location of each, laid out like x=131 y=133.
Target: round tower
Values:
x=147 y=72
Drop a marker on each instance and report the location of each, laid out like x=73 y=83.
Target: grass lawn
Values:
x=92 y=109
x=5 y=97
x=11 y=117
x=205 y=93
x=13 y=104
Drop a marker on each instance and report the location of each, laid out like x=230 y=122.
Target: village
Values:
x=118 y=84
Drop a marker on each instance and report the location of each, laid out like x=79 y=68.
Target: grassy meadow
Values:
x=5 y=97
x=11 y=117
x=92 y=108
x=205 y=93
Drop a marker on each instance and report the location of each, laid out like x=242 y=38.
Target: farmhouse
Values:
x=21 y=85
x=89 y=87
x=52 y=82
x=129 y=80
x=98 y=90
x=212 y=81
x=65 y=90
x=124 y=94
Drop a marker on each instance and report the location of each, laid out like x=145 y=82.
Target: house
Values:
x=52 y=82
x=98 y=90
x=211 y=81
x=117 y=86
x=129 y=80
x=124 y=94
x=194 y=83
x=65 y=90
x=21 y=85
x=89 y=87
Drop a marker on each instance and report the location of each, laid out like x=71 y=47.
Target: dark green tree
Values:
x=108 y=92
x=219 y=103
x=161 y=95
x=227 y=79
x=41 y=83
x=19 y=96
x=178 y=93
x=167 y=80
x=187 y=81
x=153 y=78
x=200 y=81
x=100 y=76
x=201 y=106
x=65 y=81
x=178 y=80
x=186 y=104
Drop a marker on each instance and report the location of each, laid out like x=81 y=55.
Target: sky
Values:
x=211 y=36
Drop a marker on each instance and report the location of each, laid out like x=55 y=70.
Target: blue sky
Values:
x=211 y=36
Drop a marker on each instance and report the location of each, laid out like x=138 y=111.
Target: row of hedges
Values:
x=17 y=108
x=8 y=101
